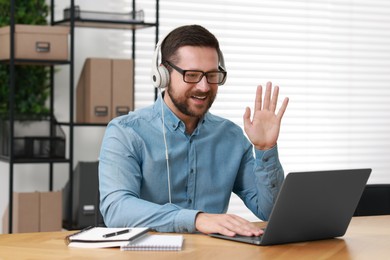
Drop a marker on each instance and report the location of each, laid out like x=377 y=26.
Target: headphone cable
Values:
x=166 y=148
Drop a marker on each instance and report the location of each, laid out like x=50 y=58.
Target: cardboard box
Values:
x=105 y=90
x=35 y=42
x=34 y=212
x=93 y=93
x=122 y=87
x=25 y=216
x=50 y=211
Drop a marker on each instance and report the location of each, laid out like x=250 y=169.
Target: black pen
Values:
x=117 y=233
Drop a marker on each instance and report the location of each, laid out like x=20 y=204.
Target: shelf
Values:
x=34 y=160
x=72 y=23
x=91 y=23
x=81 y=124
x=36 y=62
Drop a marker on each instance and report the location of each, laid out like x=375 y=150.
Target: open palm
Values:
x=263 y=130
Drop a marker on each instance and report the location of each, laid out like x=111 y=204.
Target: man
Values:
x=208 y=157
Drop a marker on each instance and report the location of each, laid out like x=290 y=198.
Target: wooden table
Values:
x=366 y=238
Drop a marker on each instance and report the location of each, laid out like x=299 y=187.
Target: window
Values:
x=331 y=58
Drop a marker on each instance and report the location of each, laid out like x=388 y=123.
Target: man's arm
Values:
x=120 y=180
x=258 y=186
x=263 y=131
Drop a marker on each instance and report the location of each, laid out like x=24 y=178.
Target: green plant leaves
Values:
x=32 y=87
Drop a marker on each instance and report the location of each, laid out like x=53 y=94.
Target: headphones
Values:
x=160 y=74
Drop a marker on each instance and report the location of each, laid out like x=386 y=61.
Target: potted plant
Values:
x=31 y=81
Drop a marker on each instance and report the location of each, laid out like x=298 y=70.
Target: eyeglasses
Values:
x=195 y=76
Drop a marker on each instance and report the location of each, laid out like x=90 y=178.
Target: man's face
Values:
x=192 y=99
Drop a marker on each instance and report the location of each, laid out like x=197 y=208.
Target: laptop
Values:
x=311 y=206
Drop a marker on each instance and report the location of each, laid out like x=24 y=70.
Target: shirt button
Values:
x=189 y=201
x=192 y=171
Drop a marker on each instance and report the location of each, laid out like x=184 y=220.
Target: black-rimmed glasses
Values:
x=195 y=76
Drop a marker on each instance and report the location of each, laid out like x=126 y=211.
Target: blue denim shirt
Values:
x=205 y=167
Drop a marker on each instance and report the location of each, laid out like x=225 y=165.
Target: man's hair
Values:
x=188 y=35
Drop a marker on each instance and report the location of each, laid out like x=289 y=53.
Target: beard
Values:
x=182 y=102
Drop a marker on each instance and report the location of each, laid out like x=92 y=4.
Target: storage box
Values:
x=34 y=212
x=32 y=139
x=50 y=211
x=93 y=99
x=105 y=90
x=35 y=42
x=122 y=87
x=25 y=216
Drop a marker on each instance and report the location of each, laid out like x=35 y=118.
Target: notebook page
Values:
x=156 y=243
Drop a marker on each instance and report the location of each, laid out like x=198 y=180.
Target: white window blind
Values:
x=331 y=58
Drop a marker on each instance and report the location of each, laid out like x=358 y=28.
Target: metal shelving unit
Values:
x=72 y=23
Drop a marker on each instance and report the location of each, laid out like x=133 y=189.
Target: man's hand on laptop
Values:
x=226 y=224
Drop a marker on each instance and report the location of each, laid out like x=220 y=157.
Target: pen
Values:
x=117 y=233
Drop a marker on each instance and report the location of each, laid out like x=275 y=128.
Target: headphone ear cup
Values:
x=164 y=76
x=222 y=65
x=155 y=78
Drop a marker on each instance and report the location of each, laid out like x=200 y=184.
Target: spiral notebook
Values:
x=155 y=243
x=100 y=237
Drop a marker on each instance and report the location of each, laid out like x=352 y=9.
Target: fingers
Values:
x=241 y=226
x=267 y=103
x=283 y=108
x=226 y=224
x=267 y=96
x=259 y=98
x=247 y=118
x=274 y=99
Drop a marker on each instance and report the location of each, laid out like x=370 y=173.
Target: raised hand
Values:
x=263 y=129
